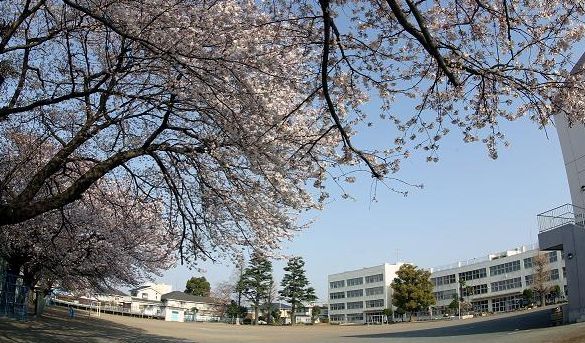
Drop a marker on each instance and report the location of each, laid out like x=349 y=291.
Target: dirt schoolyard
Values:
x=531 y=326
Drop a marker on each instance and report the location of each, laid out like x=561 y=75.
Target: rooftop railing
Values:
x=559 y=216
x=489 y=257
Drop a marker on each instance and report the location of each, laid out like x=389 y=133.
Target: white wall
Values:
x=389 y=273
x=515 y=255
x=179 y=314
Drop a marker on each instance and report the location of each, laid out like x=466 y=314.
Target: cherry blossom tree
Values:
x=196 y=105
x=222 y=295
x=226 y=112
x=110 y=236
x=104 y=239
x=462 y=64
x=542 y=276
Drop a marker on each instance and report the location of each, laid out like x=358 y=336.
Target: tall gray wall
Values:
x=572 y=139
x=571 y=239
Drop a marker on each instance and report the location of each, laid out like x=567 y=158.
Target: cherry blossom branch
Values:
x=423 y=36
x=327 y=20
x=18 y=212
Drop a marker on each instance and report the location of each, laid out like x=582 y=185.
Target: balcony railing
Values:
x=559 y=216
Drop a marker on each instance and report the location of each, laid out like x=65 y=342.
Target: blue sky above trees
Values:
x=470 y=206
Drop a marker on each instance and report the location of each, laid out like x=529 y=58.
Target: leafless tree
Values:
x=222 y=295
x=541 y=276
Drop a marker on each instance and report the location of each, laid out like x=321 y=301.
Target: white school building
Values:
x=493 y=284
x=360 y=296
x=496 y=282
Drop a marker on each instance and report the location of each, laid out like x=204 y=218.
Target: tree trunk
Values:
x=29 y=278
x=256 y=308
x=293 y=317
x=239 y=305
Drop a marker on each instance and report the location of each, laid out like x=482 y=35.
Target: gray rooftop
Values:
x=176 y=295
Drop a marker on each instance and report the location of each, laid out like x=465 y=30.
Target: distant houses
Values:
x=113 y=298
x=281 y=310
x=303 y=313
x=180 y=306
x=147 y=299
x=158 y=301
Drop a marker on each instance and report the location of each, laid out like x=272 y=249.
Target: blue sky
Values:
x=470 y=206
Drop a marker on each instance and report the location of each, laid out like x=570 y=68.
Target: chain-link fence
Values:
x=13 y=296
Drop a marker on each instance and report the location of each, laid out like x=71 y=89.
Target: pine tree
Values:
x=295 y=286
x=256 y=281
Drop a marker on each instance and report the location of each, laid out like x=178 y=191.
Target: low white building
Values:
x=155 y=301
x=151 y=291
x=360 y=296
x=179 y=307
x=303 y=314
x=146 y=299
x=113 y=299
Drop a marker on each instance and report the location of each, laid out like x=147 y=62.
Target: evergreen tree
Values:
x=413 y=290
x=528 y=296
x=198 y=286
x=235 y=311
x=400 y=313
x=388 y=314
x=256 y=281
x=295 y=286
x=454 y=305
x=315 y=312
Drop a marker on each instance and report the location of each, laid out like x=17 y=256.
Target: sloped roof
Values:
x=140 y=287
x=281 y=306
x=104 y=289
x=176 y=295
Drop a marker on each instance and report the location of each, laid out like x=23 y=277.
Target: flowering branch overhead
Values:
x=226 y=112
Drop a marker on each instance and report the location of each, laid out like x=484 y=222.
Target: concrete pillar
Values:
x=572 y=139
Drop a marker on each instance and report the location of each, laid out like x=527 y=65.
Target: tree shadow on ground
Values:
x=523 y=321
x=55 y=326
